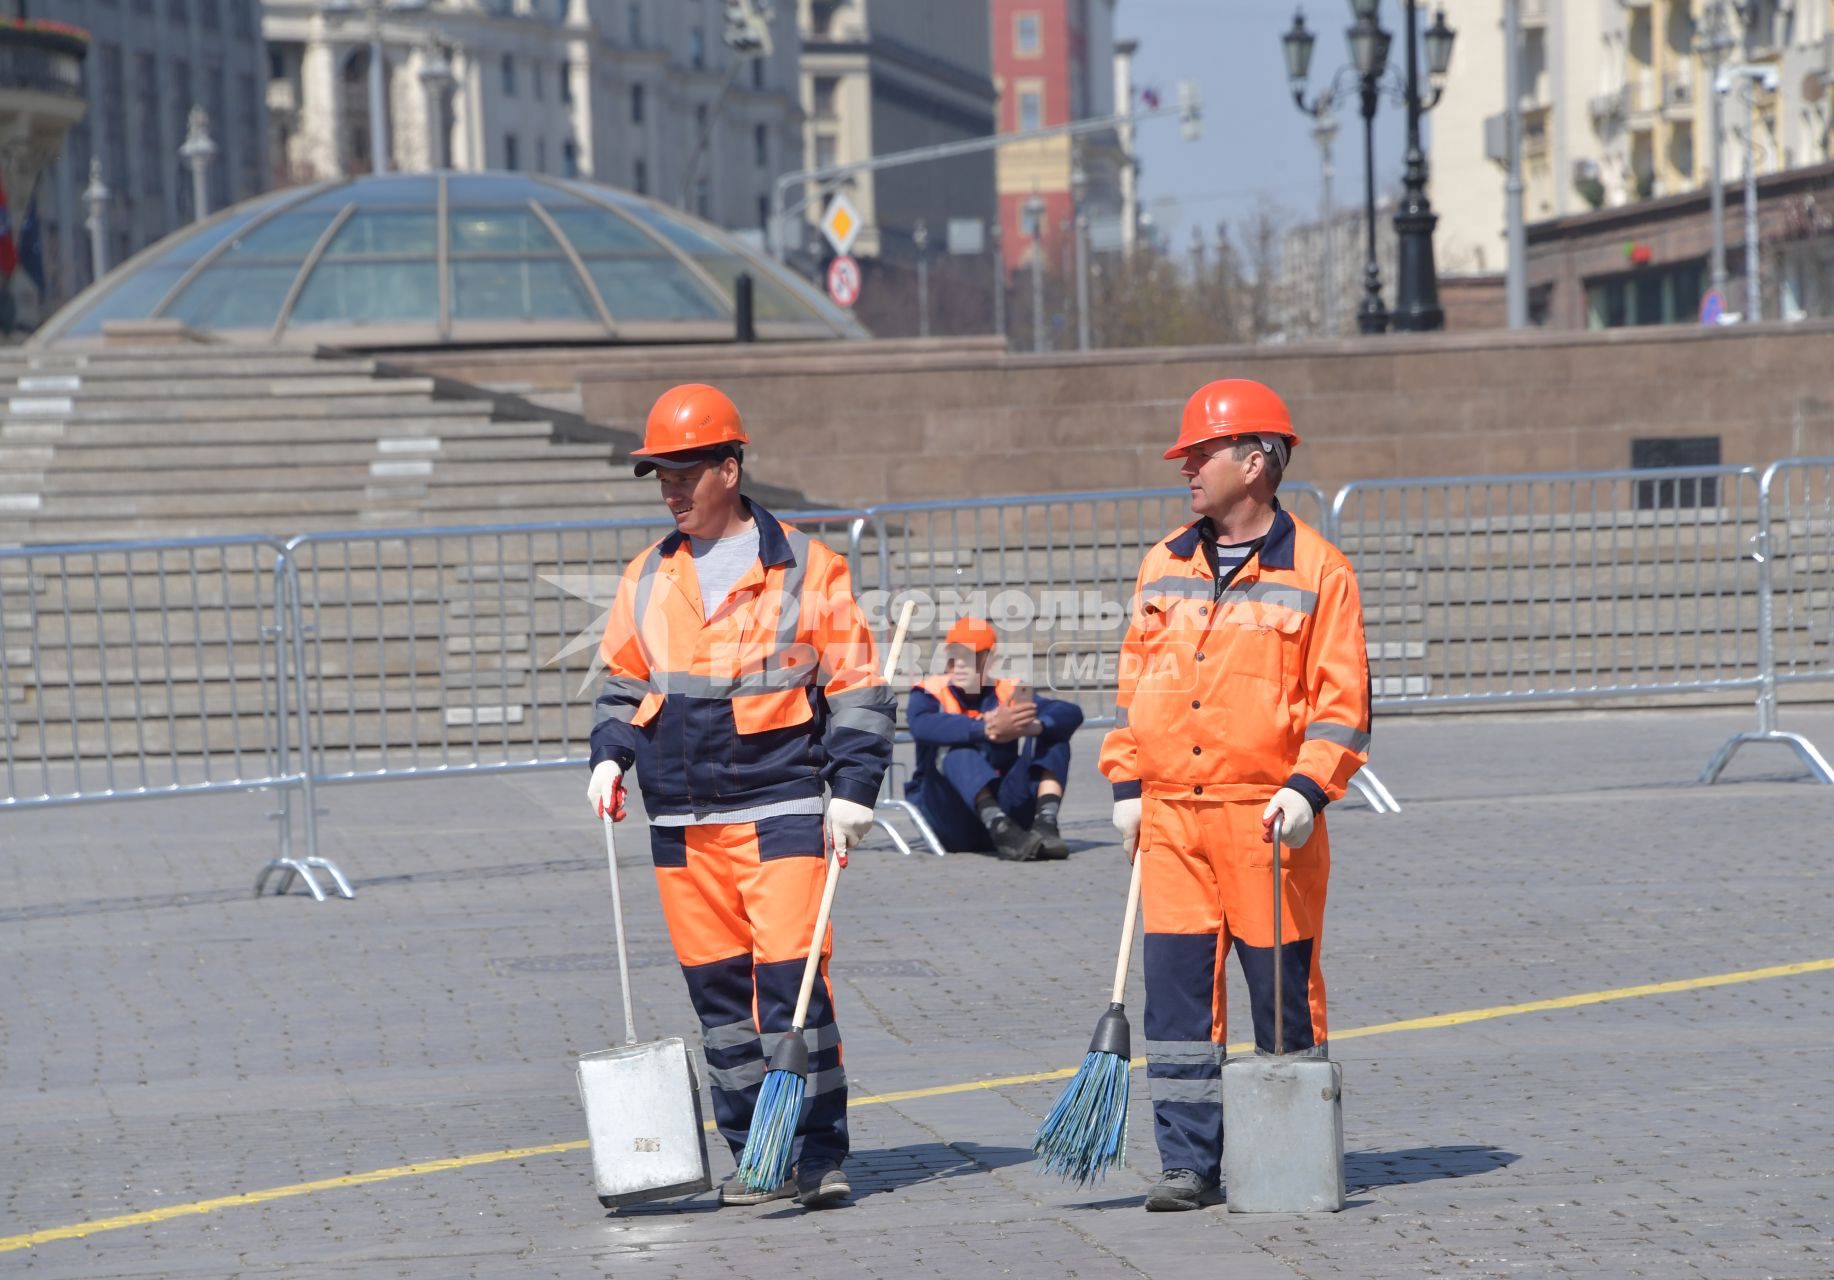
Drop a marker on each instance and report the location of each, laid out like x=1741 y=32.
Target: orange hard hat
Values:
x=691 y=420
x=972 y=632
x=1232 y=407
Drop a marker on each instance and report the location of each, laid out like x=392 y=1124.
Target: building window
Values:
x=636 y=104
x=1655 y=295
x=240 y=22
x=1031 y=109
x=761 y=145
x=635 y=29
x=697 y=49
x=824 y=151
x=509 y=76
x=757 y=73
x=566 y=82
x=541 y=155
x=511 y=160
x=208 y=14
x=146 y=73
x=640 y=177
x=276 y=63
x=538 y=82
x=821 y=17
x=764 y=214
x=569 y=158
x=826 y=87
x=703 y=199
x=1026 y=41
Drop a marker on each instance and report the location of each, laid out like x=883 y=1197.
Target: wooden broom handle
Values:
x=813 y=964
x=1127 y=932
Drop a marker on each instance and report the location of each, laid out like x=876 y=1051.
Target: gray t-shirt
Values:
x=721 y=562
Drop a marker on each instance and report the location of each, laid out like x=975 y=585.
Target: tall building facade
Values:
x=150 y=62
x=1055 y=63
x=881 y=76
x=1616 y=104
x=642 y=94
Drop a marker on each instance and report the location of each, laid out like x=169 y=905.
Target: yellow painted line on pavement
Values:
x=169 y=1212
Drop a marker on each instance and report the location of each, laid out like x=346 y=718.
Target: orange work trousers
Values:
x=740 y=899
x=1206 y=885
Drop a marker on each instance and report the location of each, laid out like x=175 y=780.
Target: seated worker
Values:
x=991 y=761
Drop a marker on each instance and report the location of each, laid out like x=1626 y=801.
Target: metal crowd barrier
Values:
x=1794 y=556
x=198 y=666
x=138 y=670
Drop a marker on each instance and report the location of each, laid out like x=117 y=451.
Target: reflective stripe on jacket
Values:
x=1233 y=697
x=775 y=695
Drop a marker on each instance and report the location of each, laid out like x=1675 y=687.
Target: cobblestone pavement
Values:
x=166 y=1039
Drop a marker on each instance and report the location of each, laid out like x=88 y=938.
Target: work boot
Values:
x=1180 y=1189
x=1013 y=842
x=735 y=1192
x=1054 y=847
x=822 y=1187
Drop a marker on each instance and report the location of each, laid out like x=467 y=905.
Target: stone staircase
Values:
x=191 y=441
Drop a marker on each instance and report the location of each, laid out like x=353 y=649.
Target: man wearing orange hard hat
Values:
x=1243 y=702
x=743 y=688
x=991 y=757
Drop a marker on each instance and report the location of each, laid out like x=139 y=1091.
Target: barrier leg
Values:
x=1805 y=751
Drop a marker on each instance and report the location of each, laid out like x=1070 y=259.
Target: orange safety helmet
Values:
x=693 y=420
x=977 y=635
x=1232 y=407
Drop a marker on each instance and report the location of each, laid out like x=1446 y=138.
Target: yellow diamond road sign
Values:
x=841 y=224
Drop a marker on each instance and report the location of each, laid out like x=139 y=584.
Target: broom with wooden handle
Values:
x=764 y=1165
x=1086 y=1131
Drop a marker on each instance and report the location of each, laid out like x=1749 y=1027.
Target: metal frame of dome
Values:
x=695 y=260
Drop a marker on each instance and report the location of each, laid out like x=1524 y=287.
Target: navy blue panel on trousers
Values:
x=721 y=993
x=669 y=846
x=1187 y=1090
x=822 y=1130
x=1295 y=973
x=789 y=835
x=947 y=800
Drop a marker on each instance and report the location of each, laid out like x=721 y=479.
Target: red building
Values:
x=1053 y=63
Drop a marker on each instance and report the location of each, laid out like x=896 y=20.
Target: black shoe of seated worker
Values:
x=1181 y=1189
x=1013 y=842
x=1054 y=847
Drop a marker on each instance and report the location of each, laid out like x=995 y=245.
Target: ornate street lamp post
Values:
x=1417 y=293
x=1369 y=43
x=1417 y=304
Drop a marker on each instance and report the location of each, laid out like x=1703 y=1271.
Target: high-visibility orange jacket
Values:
x=772 y=697
x=1233 y=697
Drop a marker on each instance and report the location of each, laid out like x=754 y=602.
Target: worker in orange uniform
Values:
x=742 y=686
x=991 y=756
x=1243 y=701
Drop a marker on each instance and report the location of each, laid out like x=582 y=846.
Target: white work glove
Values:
x=606 y=790
x=848 y=824
x=1127 y=822
x=1295 y=814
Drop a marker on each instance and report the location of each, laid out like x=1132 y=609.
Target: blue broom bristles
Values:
x=1086 y=1131
x=764 y=1165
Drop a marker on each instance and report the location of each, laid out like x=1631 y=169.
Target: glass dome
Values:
x=433 y=258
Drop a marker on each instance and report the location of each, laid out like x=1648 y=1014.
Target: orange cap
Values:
x=972 y=632
x=692 y=416
x=1232 y=407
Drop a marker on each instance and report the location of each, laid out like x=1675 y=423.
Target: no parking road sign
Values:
x=844 y=280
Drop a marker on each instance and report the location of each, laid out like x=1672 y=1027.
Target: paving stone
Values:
x=165 y=1038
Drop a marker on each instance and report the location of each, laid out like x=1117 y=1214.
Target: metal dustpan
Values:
x=642 y=1102
x=1284 y=1119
